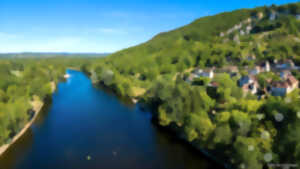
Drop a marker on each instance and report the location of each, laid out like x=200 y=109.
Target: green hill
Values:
x=216 y=115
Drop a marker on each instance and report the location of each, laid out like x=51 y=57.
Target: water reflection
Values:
x=16 y=153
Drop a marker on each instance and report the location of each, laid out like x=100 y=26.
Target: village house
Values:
x=285 y=65
x=236 y=39
x=260 y=15
x=197 y=73
x=231 y=70
x=213 y=84
x=248 y=84
x=252 y=88
x=209 y=73
x=239 y=26
x=284 y=74
x=248 y=29
x=281 y=88
x=245 y=80
x=229 y=31
x=248 y=21
x=273 y=15
x=255 y=71
x=266 y=67
x=293 y=82
x=251 y=57
x=242 y=33
x=190 y=78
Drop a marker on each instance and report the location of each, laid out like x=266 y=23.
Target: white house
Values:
x=248 y=29
x=266 y=66
x=222 y=34
x=272 y=15
x=242 y=32
x=204 y=73
x=208 y=73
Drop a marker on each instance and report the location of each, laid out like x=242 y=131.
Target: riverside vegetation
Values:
x=239 y=129
x=23 y=81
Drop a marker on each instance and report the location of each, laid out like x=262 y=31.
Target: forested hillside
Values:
x=246 y=129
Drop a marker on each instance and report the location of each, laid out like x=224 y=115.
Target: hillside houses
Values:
x=255 y=71
x=197 y=73
x=284 y=74
x=264 y=67
x=260 y=15
x=231 y=70
x=273 y=15
x=249 y=83
x=209 y=73
x=285 y=86
x=251 y=57
x=285 y=65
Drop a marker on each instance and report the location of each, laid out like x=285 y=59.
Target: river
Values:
x=88 y=128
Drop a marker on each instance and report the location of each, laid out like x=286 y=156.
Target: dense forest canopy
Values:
x=215 y=114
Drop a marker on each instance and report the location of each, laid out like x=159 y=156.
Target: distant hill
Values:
x=206 y=41
x=50 y=54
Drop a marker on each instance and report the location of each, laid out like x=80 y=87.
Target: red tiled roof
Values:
x=214 y=84
x=292 y=80
x=280 y=84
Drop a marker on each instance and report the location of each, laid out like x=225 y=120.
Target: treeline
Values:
x=243 y=130
x=22 y=81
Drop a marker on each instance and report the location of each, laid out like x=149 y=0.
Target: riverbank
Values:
x=37 y=106
x=172 y=129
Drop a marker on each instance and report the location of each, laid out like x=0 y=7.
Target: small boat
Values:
x=66 y=76
x=135 y=101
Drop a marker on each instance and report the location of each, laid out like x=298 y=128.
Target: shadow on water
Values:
x=166 y=136
x=17 y=151
x=123 y=100
x=22 y=146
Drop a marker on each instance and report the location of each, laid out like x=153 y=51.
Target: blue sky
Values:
x=98 y=25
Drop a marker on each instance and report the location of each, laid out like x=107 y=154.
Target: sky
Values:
x=100 y=26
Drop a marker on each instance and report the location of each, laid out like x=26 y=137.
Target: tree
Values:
x=201 y=124
x=240 y=122
x=222 y=134
x=247 y=153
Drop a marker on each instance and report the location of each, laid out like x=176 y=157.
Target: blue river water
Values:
x=88 y=128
